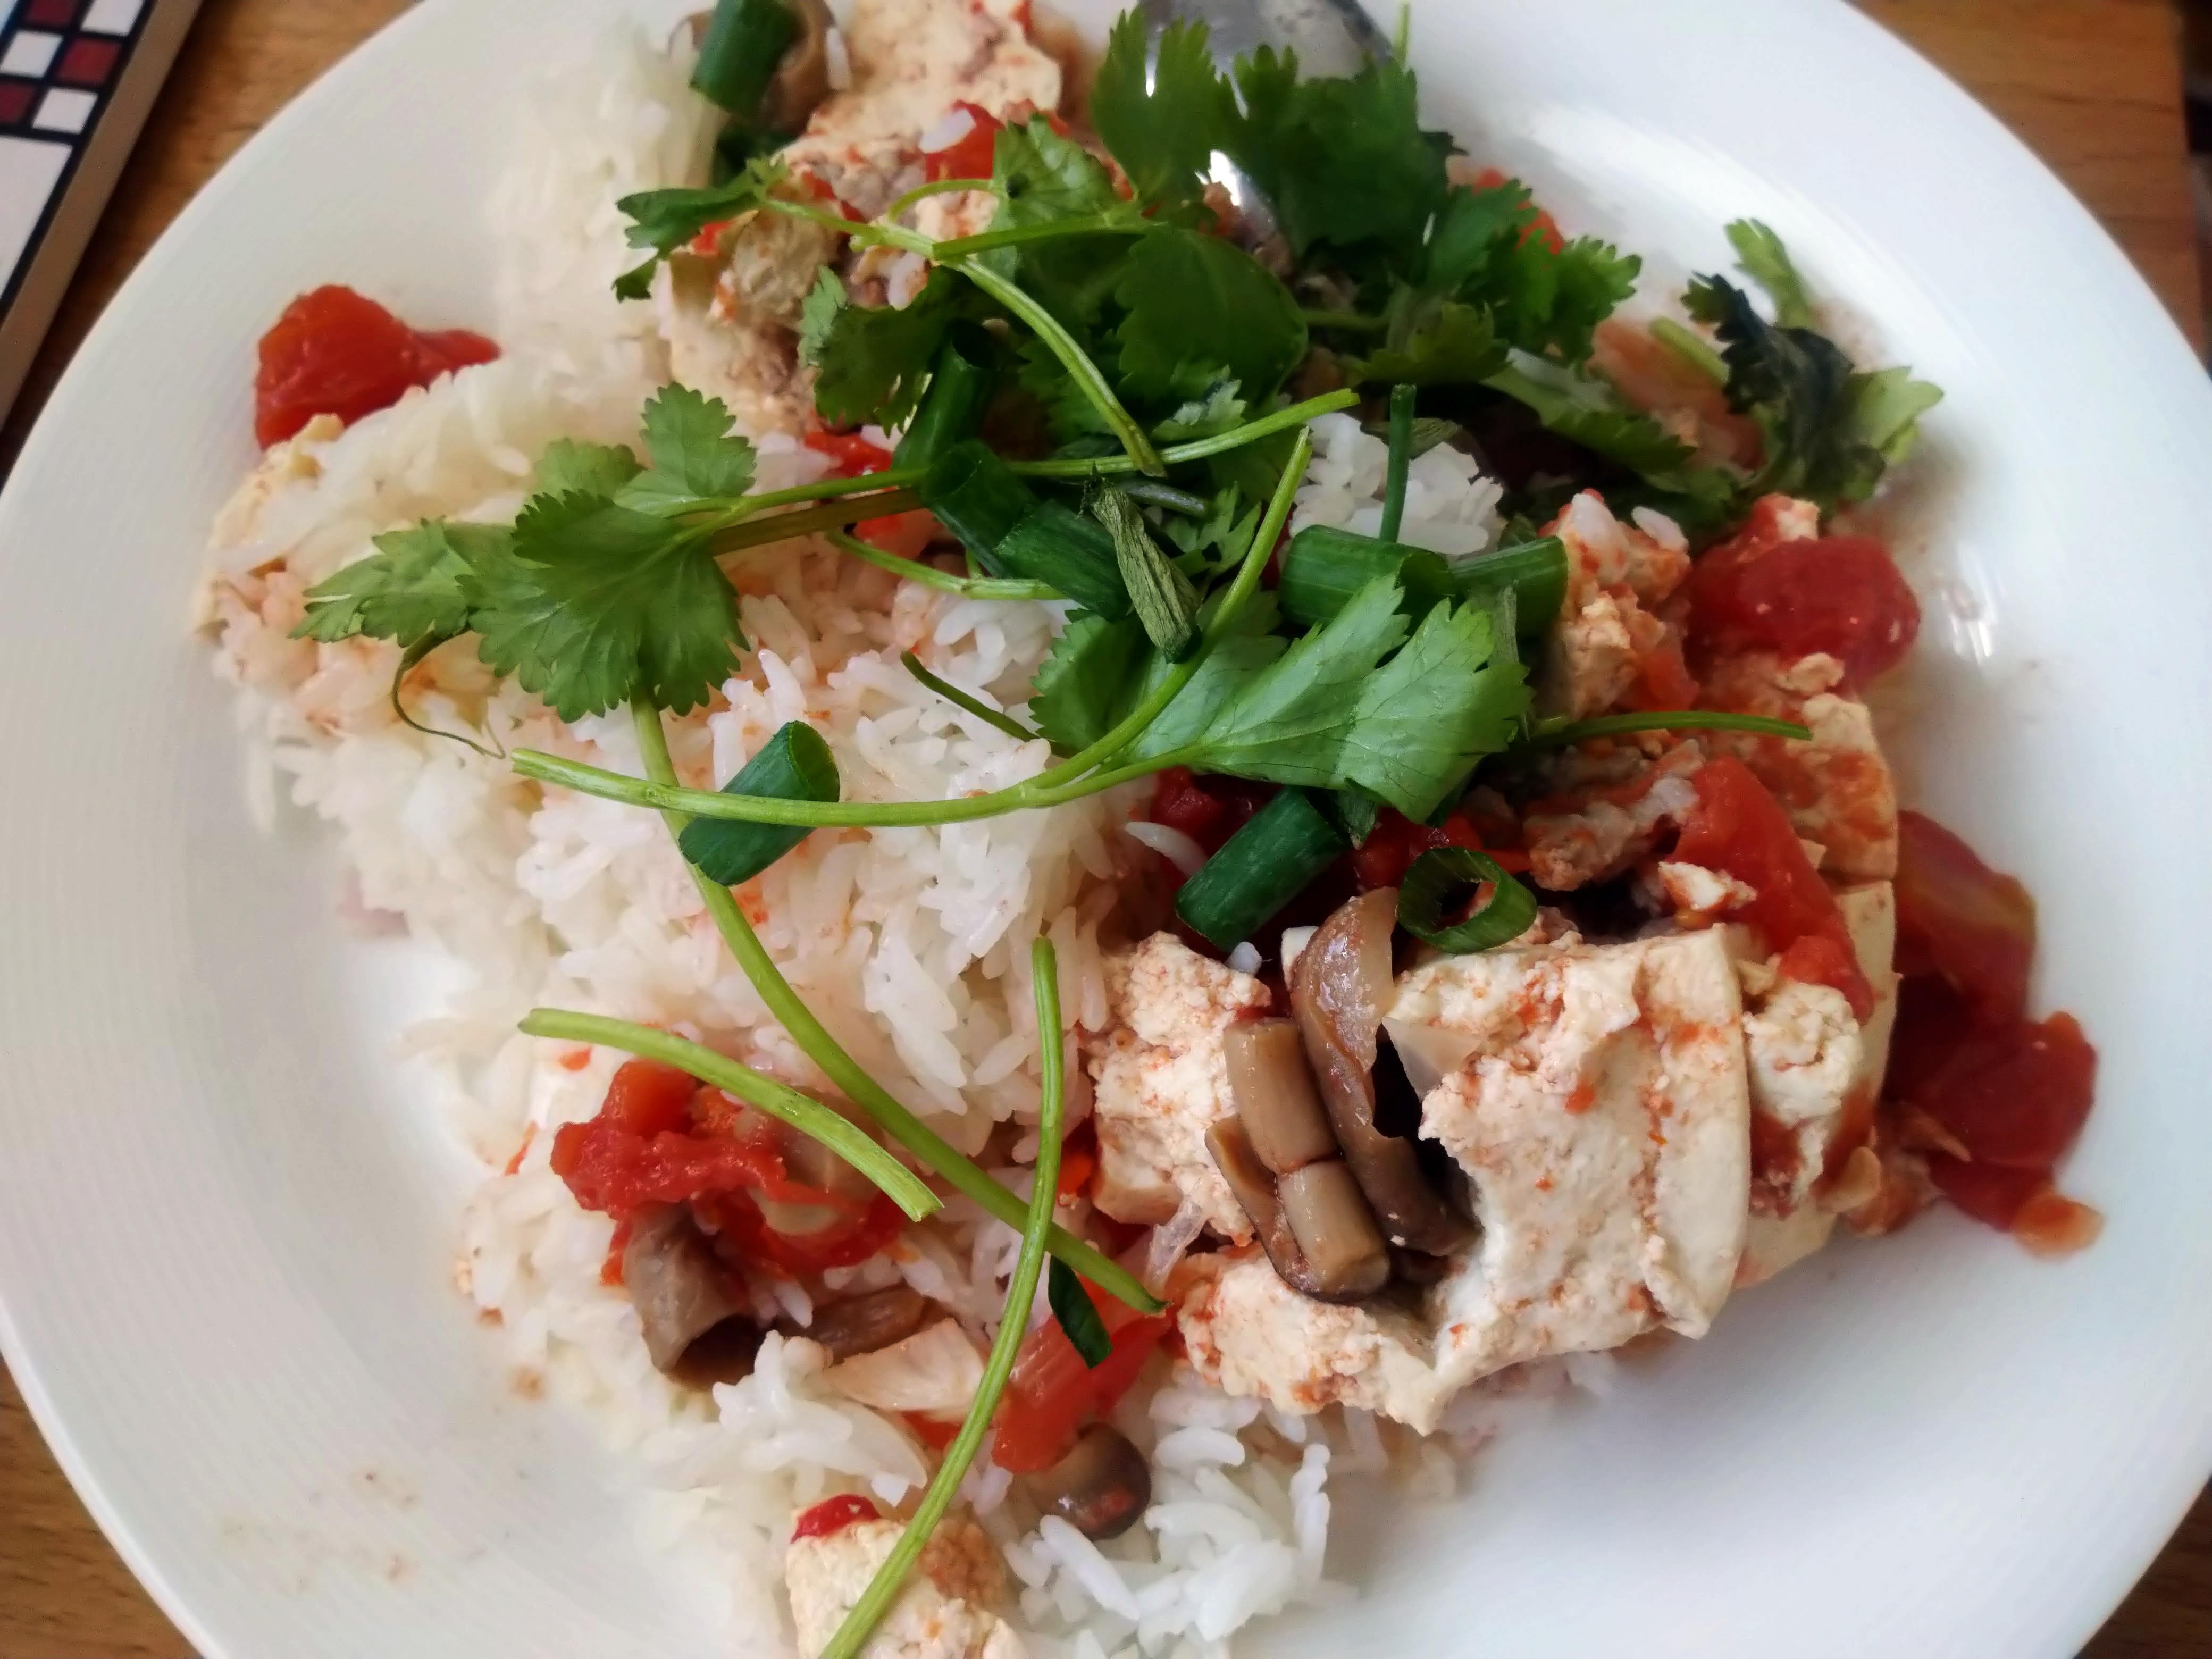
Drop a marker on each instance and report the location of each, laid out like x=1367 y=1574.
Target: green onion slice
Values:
x=1437 y=881
x=795 y=765
x=744 y=48
x=1261 y=868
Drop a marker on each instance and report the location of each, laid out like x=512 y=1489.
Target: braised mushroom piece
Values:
x=1280 y=1159
x=1339 y=989
x=868 y=1322
x=695 y=1330
x=1099 y=1488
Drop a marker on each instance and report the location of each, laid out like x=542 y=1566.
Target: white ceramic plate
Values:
x=225 y=1214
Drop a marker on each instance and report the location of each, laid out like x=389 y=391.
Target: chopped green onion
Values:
x=1324 y=567
x=780 y=1101
x=1014 y=531
x=1438 y=878
x=852 y=1633
x=795 y=765
x=1402 y=461
x=745 y=46
x=1691 y=349
x=1078 y=1316
x=1559 y=734
x=1260 y=869
x=960 y=385
x=914 y=570
x=959 y=699
x=789 y=1011
x=1165 y=602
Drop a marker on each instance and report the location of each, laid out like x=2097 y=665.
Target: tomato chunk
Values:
x=1962 y=921
x=2016 y=1095
x=851 y=455
x=1739 y=828
x=1390 y=849
x=1052 y=1393
x=834 y=1515
x=1208 y=810
x=336 y=352
x=971 y=156
x=1842 y=595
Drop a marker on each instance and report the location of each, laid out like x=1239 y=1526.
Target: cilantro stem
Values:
x=921 y=193
x=1050 y=230
x=753 y=531
x=1559 y=734
x=831 y=488
x=1691 y=350
x=1401 y=463
x=1063 y=345
x=1347 y=322
x=1010 y=294
x=960 y=700
x=1005 y=1346
x=781 y=1101
x=914 y=570
x=604 y=785
x=787 y=1010
x=1199 y=449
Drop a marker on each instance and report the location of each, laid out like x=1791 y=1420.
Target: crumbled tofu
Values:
x=1605 y=816
x=1698 y=894
x=730 y=315
x=944 y=1612
x=1596 y=1098
x=1162 y=1080
x=1837 y=787
x=1803 y=1049
x=1618 y=574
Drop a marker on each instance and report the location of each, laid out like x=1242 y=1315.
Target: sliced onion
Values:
x=1168 y=1243
x=936 y=1369
x=948 y=130
x=1437 y=883
x=1170 y=843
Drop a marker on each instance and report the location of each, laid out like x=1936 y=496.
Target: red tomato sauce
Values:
x=1053 y=1395
x=834 y=1515
x=2011 y=1092
x=1842 y=595
x=661 y=1138
x=336 y=352
x=1739 y=828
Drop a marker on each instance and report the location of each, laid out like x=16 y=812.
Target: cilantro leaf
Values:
x=1286 y=721
x=1079 y=684
x=590 y=604
x=1830 y=431
x=1044 y=178
x=1434 y=710
x=666 y=220
x=1545 y=297
x=568 y=467
x=1344 y=161
x=1162 y=596
x=1221 y=408
x=1590 y=412
x=874 y=360
x=409 y=591
x=1766 y=262
x=1438 y=344
x=1210 y=545
x=818 y=314
x=1198 y=308
x=696 y=459
x=1162 y=119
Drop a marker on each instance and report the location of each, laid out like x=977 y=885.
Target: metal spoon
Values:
x=1330 y=37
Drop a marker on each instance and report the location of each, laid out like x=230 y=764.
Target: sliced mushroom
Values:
x=1273 y=1089
x=868 y=1322
x=802 y=80
x=1327 y=1213
x=1254 y=1184
x=1100 y=1487
x=1339 y=990
x=695 y=1329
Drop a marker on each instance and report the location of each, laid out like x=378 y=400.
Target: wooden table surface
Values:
x=2091 y=85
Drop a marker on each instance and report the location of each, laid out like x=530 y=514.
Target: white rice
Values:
x=909 y=943
x=1451 y=508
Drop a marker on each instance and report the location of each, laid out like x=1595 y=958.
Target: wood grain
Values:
x=2091 y=85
